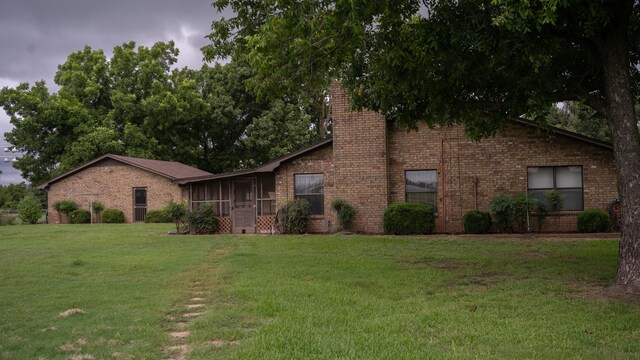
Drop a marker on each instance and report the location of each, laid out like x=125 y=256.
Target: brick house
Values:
x=371 y=164
x=130 y=184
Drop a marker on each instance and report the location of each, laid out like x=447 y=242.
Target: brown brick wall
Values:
x=500 y=166
x=360 y=161
x=113 y=184
x=319 y=161
x=367 y=161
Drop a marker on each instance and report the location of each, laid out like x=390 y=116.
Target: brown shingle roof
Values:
x=172 y=170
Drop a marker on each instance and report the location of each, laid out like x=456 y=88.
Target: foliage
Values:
x=10 y=195
x=137 y=103
x=178 y=214
x=112 y=216
x=555 y=199
x=7 y=219
x=408 y=218
x=593 y=220
x=477 y=222
x=65 y=206
x=295 y=216
x=501 y=208
x=203 y=220
x=579 y=118
x=97 y=207
x=80 y=216
x=29 y=209
x=523 y=206
x=157 y=216
x=345 y=213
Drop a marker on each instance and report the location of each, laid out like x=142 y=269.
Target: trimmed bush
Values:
x=65 y=207
x=501 y=208
x=29 y=209
x=345 y=213
x=80 y=216
x=157 y=217
x=295 y=216
x=203 y=221
x=408 y=218
x=594 y=220
x=477 y=222
x=112 y=216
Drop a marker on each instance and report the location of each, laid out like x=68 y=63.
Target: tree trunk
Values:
x=613 y=50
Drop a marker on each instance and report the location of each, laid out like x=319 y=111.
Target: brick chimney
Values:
x=360 y=161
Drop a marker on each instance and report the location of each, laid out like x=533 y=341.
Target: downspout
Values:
x=444 y=188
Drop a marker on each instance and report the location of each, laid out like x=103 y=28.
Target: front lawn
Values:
x=285 y=297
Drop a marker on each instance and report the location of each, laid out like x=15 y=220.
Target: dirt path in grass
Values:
x=186 y=313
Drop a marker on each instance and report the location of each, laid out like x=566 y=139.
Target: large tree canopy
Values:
x=474 y=62
x=136 y=104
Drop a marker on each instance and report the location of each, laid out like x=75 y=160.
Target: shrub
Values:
x=477 y=222
x=29 y=209
x=203 y=221
x=523 y=207
x=295 y=216
x=501 y=208
x=112 y=216
x=345 y=213
x=408 y=218
x=97 y=208
x=65 y=207
x=555 y=199
x=593 y=220
x=7 y=219
x=178 y=213
x=80 y=216
x=157 y=216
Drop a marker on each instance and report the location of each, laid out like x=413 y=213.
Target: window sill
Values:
x=316 y=217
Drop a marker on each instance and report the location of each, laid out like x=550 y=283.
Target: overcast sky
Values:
x=37 y=35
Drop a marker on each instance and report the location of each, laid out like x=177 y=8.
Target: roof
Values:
x=272 y=165
x=265 y=168
x=566 y=133
x=171 y=170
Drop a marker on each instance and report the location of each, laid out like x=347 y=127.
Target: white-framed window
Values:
x=421 y=186
x=566 y=180
x=310 y=187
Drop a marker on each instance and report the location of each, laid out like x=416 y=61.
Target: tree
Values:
x=135 y=104
x=474 y=62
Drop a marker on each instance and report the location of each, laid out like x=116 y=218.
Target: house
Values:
x=371 y=164
x=130 y=184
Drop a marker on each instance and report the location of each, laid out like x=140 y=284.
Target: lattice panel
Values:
x=265 y=223
x=224 y=225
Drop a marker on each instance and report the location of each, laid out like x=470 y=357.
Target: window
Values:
x=566 y=180
x=215 y=193
x=311 y=187
x=266 y=194
x=421 y=186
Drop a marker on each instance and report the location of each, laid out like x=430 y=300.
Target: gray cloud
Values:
x=36 y=35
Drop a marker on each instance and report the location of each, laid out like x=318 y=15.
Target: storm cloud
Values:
x=36 y=36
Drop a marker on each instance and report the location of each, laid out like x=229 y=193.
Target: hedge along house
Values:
x=370 y=163
x=129 y=184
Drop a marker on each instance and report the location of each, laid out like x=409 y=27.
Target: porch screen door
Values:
x=139 y=204
x=243 y=210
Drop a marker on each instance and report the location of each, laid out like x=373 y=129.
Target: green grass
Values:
x=285 y=297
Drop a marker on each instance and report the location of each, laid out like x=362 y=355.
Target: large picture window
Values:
x=566 y=180
x=422 y=186
x=311 y=187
